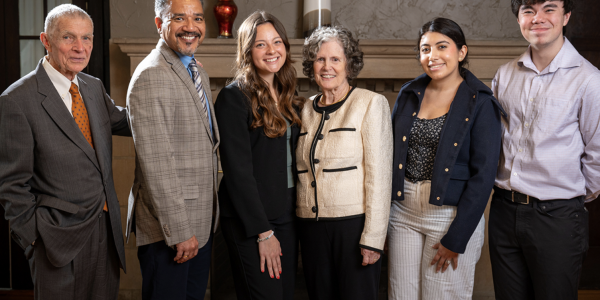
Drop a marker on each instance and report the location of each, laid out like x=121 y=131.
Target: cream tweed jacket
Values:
x=344 y=161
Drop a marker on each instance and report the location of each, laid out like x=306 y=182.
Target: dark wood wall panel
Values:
x=585 y=36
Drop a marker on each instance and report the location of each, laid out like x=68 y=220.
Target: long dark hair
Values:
x=450 y=29
x=264 y=110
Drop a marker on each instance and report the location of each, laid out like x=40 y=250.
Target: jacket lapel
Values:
x=183 y=74
x=56 y=109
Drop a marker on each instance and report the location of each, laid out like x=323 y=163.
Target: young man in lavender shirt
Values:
x=550 y=161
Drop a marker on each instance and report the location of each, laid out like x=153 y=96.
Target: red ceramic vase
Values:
x=225 y=12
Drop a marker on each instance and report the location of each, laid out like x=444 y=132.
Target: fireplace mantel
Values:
x=384 y=59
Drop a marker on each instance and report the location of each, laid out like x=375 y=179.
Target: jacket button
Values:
x=446 y=169
x=404 y=138
x=400 y=166
x=414 y=114
x=467 y=119
x=327 y=117
x=313 y=184
x=399 y=193
x=316 y=161
x=320 y=136
x=438 y=198
x=314 y=209
x=455 y=144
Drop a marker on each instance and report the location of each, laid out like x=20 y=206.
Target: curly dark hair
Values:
x=516 y=5
x=450 y=29
x=312 y=45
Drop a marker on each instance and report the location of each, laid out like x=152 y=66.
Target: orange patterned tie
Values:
x=80 y=114
x=81 y=117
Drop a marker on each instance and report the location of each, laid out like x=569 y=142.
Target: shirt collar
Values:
x=184 y=59
x=567 y=57
x=61 y=83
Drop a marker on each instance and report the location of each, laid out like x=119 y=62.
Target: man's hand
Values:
x=443 y=257
x=269 y=251
x=369 y=256
x=186 y=250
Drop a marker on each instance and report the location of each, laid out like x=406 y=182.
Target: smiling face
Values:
x=70 y=45
x=542 y=24
x=439 y=56
x=330 y=66
x=182 y=26
x=268 y=51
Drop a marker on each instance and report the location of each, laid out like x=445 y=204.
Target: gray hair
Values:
x=312 y=45
x=160 y=6
x=63 y=10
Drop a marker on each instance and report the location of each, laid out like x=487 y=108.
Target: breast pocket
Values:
x=340 y=143
x=552 y=114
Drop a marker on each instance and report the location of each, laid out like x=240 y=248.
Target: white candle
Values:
x=317 y=13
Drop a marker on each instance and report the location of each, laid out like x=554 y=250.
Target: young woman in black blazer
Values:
x=259 y=126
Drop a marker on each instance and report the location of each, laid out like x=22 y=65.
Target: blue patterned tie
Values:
x=198 y=83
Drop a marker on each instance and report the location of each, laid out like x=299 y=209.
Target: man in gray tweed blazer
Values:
x=56 y=184
x=173 y=199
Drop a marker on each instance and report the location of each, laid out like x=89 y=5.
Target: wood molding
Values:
x=384 y=59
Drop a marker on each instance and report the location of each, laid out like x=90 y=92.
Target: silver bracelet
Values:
x=262 y=240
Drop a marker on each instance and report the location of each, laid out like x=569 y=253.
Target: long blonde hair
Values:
x=264 y=109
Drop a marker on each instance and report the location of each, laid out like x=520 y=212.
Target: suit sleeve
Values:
x=236 y=160
x=148 y=116
x=16 y=169
x=117 y=115
x=483 y=161
x=378 y=154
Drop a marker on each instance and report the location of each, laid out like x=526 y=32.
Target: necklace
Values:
x=323 y=103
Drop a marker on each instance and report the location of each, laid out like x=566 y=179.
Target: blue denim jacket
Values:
x=467 y=156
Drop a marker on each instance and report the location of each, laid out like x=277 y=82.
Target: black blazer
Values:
x=467 y=156
x=254 y=185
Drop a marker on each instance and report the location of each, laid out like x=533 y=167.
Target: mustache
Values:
x=186 y=33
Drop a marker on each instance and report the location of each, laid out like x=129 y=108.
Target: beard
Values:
x=187 y=48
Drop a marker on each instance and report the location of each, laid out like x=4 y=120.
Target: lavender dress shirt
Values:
x=551 y=136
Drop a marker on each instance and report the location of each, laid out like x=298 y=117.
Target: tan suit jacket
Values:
x=174 y=189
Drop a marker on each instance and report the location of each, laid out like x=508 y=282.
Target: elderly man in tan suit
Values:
x=176 y=137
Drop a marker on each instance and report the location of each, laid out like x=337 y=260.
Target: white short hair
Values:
x=63 y=10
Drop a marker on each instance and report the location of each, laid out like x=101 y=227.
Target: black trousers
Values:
x=332 y=261
x=537 y=249
x=249 y=282
x=163 y=278
x=92 y=274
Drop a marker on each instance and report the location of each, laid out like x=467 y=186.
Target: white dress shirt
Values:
x=61 y=83
x=551 y=136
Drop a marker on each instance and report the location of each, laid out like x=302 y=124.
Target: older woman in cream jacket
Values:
x=344 y=159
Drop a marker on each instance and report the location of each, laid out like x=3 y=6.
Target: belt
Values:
x=514 y=196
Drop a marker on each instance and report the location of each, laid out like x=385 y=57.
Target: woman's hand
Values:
x=269 y=251
x=369 y=257
x=443 y=257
